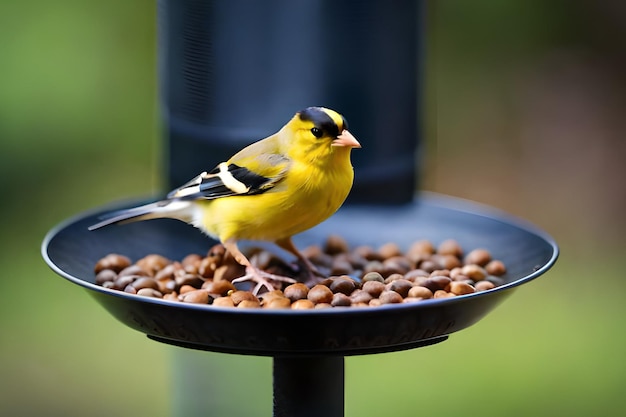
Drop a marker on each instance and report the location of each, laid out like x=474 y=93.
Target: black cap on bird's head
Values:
x=329 y=123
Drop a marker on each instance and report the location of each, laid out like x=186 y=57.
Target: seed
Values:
x=429 y=266
x=343 y=285
x=228 y=272
x=270 y=295
x=320 y=294
x=478 y=257
x=461 y=288
x=186 y=288
x=220 y=288
x=173 y=296
x=368 y=253
x=360 y=296
x=374 y=288
x=389 y=250
x=123 y=281
x=189 y=279
x=167 y=286
x=249 y=304
x=240 y=296
x=323 y=305
x=420 y=292
x=114 y=262
x=375 y=302
x=436 y=283
x=303 y=305
x=278 y=302
x=450 y=247
x=105 y=275
x=223 y=302
x=195 y=296
x=448 y=261
x=442 y=294
x=474 y=272
x=335 y=244
x=341 y=267
x=373 y=266
x=484 y=285
x=149 y=292
x=396 y=265
x=133 y=270
x=422 y=246
x=411 y=275
x=401 y=286
x=340 y=300
x=130 y=289
x=390 y=297
x=297 y=291
x=373 y=276
x=495 y=267
x=168 y=272
x=192 y=260
x=145 y=282
x=153 y=263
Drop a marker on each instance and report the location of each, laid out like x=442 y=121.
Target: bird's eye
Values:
x=317 y=132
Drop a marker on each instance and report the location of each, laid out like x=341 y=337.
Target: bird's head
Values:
x=319 y=130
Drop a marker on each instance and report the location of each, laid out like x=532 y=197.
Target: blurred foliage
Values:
x=524 y=111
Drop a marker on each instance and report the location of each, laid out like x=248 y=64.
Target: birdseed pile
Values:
x=358 y=277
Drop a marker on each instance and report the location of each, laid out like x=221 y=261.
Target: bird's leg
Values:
x=313 y=273
x=253 y=273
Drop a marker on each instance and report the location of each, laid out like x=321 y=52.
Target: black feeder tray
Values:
x=308 y=346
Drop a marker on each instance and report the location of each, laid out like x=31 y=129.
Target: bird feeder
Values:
x=229 y=72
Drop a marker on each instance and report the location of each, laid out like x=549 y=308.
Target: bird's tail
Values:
x=175 y=209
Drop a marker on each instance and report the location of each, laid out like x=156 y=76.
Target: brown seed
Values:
x=130 y=289
x=168 y=272
x=114 y=262
x=133 y=270
x=429 y=266
x=375 y=302
x=393 y=277
x=420 y=292
x=249 y=304
x=189 y=279
x=270 y=295
x=105 y=275
x=323 y=305
x=360 y=296
x=303 y=305
x=484 y=285
x=368 y=253
x=475 y=272
x=228 y=272
x=441 y=272
x=167 y=286
x=173 y=296
x=461 y=288
x=495 y=267
x=193 y=260
x=442 y=294
x=389 y=250
x=335 y=244
x=341 y=267
x=343 y=285
x=401 y=286
x=341 y=300
x=478 y=257
x=436 y=283
x=297 y=291
x=145 y=282
x=153 y=263
x=390 y=297
x=448 y=261
x=373 y=266
x=278 y=302
x=223 y=302
x=450 y=247
x=220 y=288
x=411 y=299
x=320 y=294
x=186 y=288
x=396 y=265
x=207 y=266
x=149 y=292
x=123 y=281
x=411 y=275
x=195 y=296
x=422 y=246
x=373 y=276
x=374 y=288
x=240 y=296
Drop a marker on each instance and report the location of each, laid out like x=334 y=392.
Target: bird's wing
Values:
x=248 y=175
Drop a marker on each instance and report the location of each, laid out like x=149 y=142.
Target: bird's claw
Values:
x=262 y=279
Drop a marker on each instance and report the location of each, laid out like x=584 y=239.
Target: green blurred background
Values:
x=525 y=104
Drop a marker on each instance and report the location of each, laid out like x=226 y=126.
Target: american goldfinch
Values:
x=271 y=190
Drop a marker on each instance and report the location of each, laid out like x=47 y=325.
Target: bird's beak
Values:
x=346 y=139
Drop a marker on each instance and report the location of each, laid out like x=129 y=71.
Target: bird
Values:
x=269 y=191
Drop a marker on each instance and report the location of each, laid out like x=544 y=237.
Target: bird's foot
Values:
x=262 y=279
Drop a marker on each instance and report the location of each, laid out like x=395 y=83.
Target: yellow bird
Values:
x=271 y=190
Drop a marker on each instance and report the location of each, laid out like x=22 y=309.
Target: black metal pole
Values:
x=309 y=386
